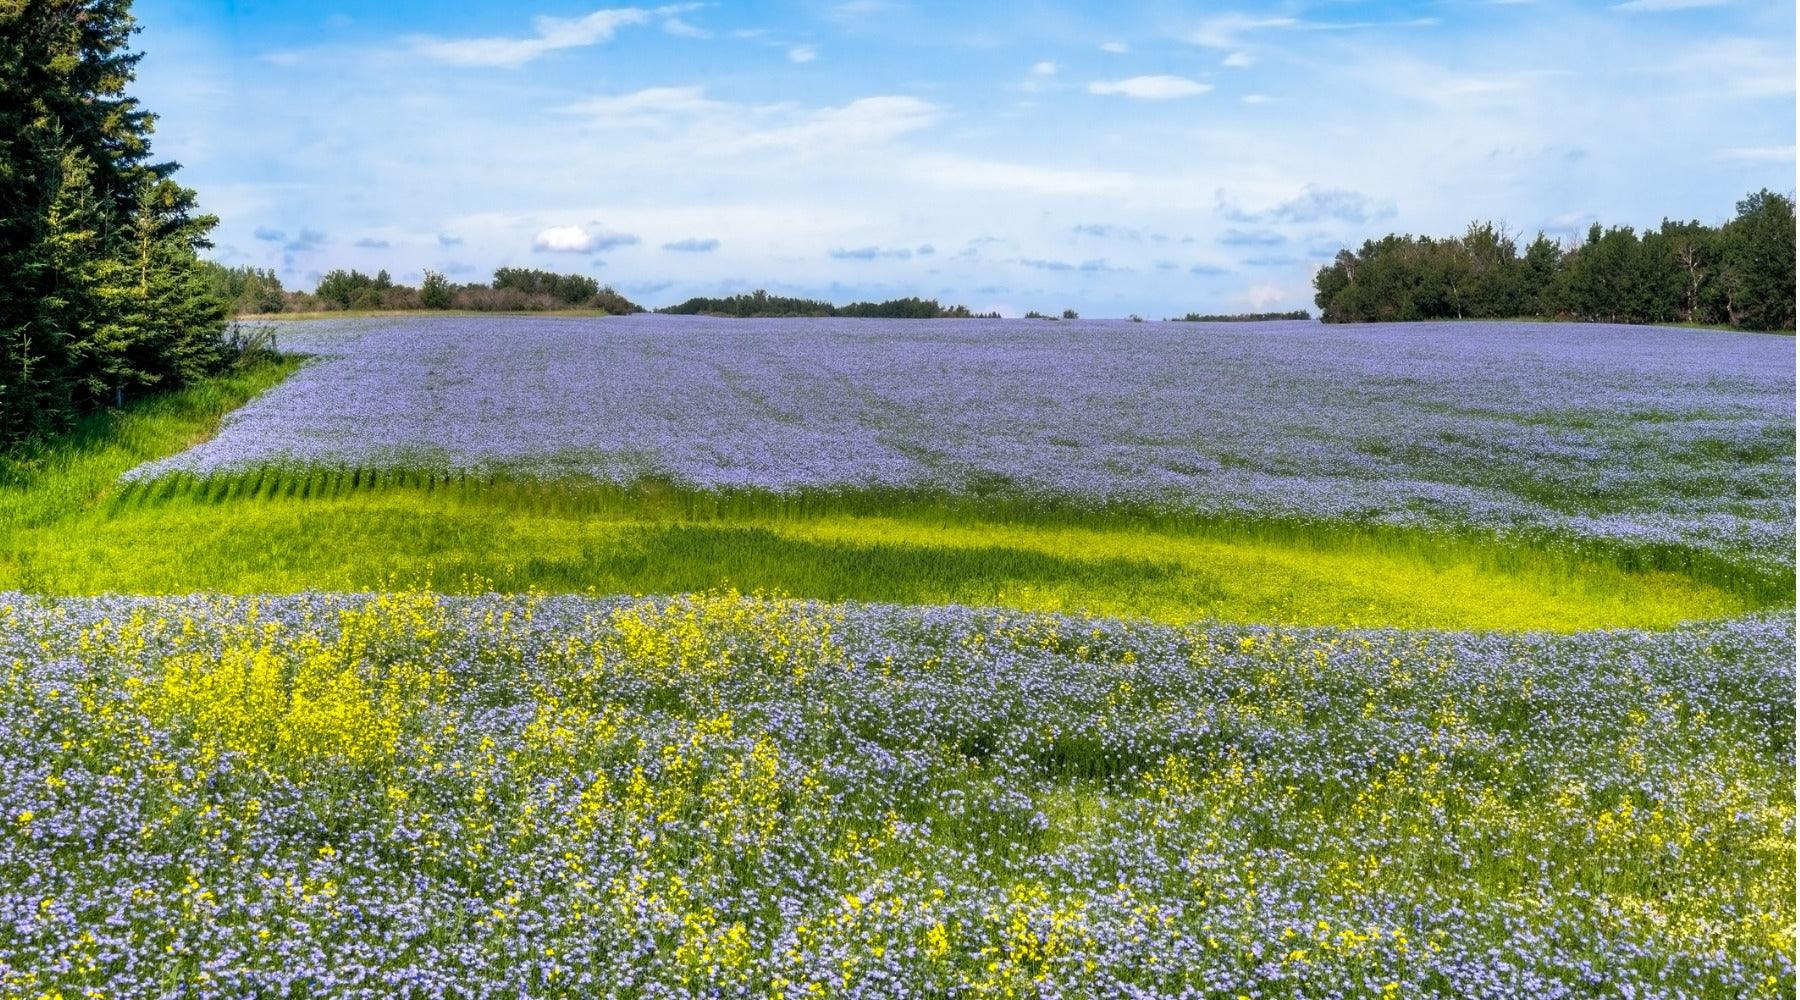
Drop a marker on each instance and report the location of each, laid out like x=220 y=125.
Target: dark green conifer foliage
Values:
x=102 y=294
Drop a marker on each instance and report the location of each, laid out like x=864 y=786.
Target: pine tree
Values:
x=102 y=294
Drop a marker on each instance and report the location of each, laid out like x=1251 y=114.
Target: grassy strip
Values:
x=73 y=530
x=1000 y=505
x=55 y=481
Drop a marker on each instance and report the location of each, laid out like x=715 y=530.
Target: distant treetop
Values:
x=761 y=304
x=1243 y=317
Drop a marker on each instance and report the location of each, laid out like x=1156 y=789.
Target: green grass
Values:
x=68 y=527
x=59 y=481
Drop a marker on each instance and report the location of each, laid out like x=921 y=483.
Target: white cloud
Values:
x=1224 y=31
x=1454 y=86
x=802 y=54
x=1045 y=68
x=577 y=239
x=1260 y=297
x=1115 y=48
x=1238 y=60
x=1151 y=88
x=646 y=106
x=1227 y=31
x=681 y=29
x=710 y=127
x=1257 y=98
x=1756 y=154
x=553 y=33
x=868 y=121
x=564 y=239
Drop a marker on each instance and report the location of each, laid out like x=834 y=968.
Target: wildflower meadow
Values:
x=1040 y=666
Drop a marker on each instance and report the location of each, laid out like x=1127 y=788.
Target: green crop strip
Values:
x=68 y=527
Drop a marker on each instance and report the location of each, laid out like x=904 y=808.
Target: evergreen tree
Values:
x=1537 y=277
x=102 y=294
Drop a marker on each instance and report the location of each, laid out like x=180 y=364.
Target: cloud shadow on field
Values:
x=683 y=557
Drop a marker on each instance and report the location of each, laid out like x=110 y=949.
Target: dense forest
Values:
x=761 y=304
x=254 y=291
x=1738 y=274
x=102 y=293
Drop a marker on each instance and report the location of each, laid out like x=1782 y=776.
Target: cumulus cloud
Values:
x=1151 y=88
x=268 y=235
x=802 y=54
x=925 y=250
x=1115 y=48
x=1238 y=60
x=1045 y=68
x=1260 y=297
x=578 y=239
x=549 y=35
x=692 y=245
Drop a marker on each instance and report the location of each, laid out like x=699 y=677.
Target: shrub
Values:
x=434 y=292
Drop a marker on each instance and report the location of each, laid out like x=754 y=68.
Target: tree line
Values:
x=256 y=291
x=1738 y=274
x=103 y=296
x=1262 y=317
x=761 y=304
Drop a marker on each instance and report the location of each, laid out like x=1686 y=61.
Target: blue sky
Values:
x=1165 y=158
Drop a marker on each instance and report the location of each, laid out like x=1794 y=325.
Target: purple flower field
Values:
x=1620 y=432
x=415 y=796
